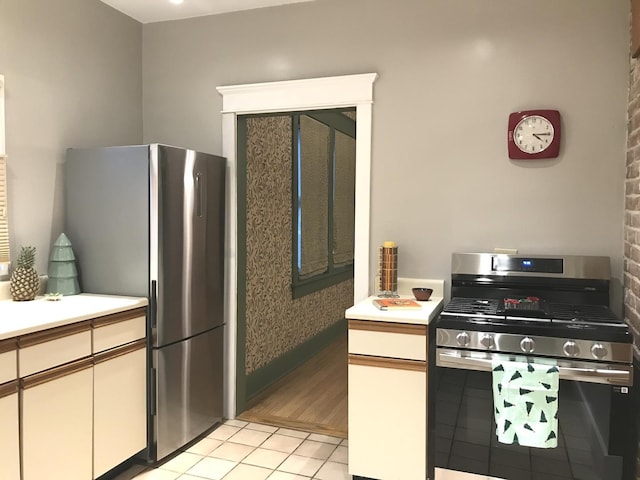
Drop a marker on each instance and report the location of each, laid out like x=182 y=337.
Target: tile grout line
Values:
x=270 y=433
x=313 y=476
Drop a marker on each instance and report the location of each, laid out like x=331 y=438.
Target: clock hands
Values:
x=537 y=135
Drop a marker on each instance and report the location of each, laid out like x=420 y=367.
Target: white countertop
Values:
x=365 y=310
x=19 y=318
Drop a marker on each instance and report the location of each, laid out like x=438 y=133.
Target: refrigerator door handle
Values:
x=198 y=194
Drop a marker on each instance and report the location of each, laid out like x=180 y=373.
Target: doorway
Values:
x=296 y=189
x=330 y=92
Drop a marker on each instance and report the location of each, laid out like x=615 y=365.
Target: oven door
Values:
x=594 y=423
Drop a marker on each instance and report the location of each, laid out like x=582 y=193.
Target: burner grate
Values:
x=582 y=313
x=472 y=306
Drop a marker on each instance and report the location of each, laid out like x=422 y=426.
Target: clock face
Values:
x=533 y=134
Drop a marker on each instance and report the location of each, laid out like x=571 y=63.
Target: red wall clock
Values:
x=534 y=134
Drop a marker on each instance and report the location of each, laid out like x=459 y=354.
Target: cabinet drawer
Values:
x=119 y=329
x=8 y=361
x=384 y=339
x=50 y=348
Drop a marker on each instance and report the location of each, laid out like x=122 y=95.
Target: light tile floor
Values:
x=238 y=450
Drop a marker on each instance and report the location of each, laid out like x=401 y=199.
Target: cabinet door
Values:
x=120 y=408
x=387 y=418
x=9 y=440
x=57 y=418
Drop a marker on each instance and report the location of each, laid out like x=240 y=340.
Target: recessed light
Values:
x=176 y=2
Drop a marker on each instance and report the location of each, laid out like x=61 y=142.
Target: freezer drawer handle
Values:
x=152 y=392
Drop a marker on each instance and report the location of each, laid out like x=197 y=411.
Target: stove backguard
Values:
x=558 y=279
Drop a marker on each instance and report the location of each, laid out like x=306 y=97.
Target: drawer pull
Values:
x=384 y=362
x=8 y=345
x=119 y=351
x=55 y=373
x=388 y=327
x=8 y=388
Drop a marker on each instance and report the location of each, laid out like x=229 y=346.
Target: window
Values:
x=324 y=155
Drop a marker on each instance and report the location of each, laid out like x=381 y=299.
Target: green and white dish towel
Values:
x=525 y=400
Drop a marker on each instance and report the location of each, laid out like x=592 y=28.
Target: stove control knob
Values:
x=527 y=345
x=599 y=351
x=570 y=349
x=463 y=339
x=487 y=340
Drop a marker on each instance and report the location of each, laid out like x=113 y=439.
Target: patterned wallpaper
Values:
x=276 y=323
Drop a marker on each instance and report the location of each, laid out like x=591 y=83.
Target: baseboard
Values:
x=265 y=376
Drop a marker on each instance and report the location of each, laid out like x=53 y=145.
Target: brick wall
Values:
x=632 y=208
x=632 y=217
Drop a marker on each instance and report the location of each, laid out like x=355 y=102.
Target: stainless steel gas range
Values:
x=532 y=312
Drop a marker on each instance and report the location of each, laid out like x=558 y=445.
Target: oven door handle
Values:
x=591 y=372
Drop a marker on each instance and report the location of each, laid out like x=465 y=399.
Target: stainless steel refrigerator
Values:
x=148 y=220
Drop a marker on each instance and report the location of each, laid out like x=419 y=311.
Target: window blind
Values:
x=344 y=199
x=315 y=143
x=4 y=221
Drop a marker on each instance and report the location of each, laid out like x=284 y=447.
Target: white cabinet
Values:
x=80 y=410
x=47 y=349
x=387 y=421
x=9 y=424
x=9 y=440
x=120 y=421
x=118 y=329
x=387 y=400
x=120 y=392
x=57 y=418
x=56 y=371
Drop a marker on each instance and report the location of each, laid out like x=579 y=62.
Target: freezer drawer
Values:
x=188 y=392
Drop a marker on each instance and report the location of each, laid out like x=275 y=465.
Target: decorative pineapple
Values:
x=24 y=279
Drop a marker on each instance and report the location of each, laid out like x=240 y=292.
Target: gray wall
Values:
x=450 y=74
x=73 y=78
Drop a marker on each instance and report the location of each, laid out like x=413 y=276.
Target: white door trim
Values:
x=308 y=94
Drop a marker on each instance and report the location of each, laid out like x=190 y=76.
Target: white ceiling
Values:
x=148 y=11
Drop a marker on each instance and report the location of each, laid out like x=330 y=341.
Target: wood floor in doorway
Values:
x=312 y=398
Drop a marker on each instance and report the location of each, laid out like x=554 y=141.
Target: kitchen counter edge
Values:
x=21 y=318
x=365 y=310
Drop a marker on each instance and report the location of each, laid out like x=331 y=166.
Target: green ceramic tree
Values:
x=63 y=276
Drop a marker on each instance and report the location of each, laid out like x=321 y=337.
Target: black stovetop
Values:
x=532 y=307
x=535 y=316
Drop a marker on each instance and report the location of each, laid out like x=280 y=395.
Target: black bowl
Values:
x=422 y=294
